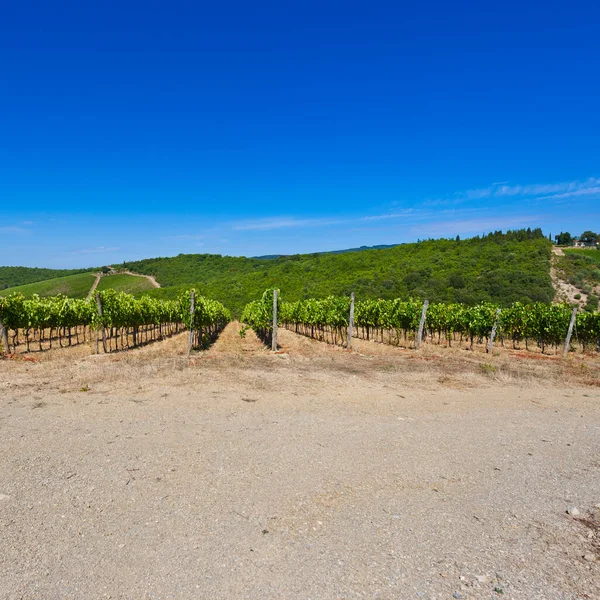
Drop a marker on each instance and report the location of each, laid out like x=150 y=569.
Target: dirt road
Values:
x=94 y=285
x=308 y=474
x=150 y=278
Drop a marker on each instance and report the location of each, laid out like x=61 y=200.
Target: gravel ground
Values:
x=311 y=474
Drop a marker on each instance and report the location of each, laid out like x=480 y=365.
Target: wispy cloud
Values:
x=451 y=227
x=280 y=223
x=409 y=212
x=546 y=189
x=97 y=250
x=288 y=222
x=185 y=236
x=573 y=194
x=536 y=191
x=12 y=229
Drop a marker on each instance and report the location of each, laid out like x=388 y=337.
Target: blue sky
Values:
x=132 y=130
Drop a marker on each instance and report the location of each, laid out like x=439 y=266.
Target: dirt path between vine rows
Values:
x=313 y=472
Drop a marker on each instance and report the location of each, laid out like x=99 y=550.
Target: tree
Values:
x=589 y=237
x=564 y=239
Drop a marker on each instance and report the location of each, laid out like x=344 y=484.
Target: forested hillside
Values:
x=500 y=267
x=14 y=276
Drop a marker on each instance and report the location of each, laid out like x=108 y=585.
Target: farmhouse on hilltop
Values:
x=581 y=244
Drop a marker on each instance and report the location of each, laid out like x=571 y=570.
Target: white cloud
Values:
x=97 y=250
x=13 y=229
x=573 y=194
x=287 y=222
x=547 y=189
x=185 y=236
x=451 y=227
x=278 y=223
x=397 y=215
x=536 y=191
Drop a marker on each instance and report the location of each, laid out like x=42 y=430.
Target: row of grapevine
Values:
x=44 y=320
x=396 y=321
x=206 y=321
x=259 y=316
x=119 y=320
x=544 y=324
x=126 y=322
x=326 y=319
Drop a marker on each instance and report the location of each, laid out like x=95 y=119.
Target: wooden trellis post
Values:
x=570 y=332
x=192 y=311
x=493 y=334
x=421 y=325
x=350 y=322
x=274 y=336
x=4 y=337
x=101 y=325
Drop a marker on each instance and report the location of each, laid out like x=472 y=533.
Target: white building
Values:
x=579 y=244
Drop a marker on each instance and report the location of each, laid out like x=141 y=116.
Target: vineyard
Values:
x=118 y=320
x=396 y=322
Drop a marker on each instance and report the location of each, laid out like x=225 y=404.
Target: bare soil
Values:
x=565 y=291
x=94 y=285
x=313 y=472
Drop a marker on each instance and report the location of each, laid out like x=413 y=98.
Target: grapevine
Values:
x=396 y=321
x=123 y=322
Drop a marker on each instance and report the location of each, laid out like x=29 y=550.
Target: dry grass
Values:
x=431 y=367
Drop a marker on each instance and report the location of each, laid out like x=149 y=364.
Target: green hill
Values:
x=502 y=268
x=499 y=267
x=76 y=286
x=16 y=276
x=121 y=282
